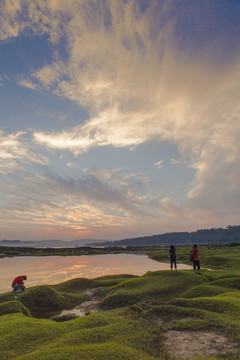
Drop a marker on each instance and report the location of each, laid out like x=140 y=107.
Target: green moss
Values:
x=20 y=334
x=63 y=318
x=153 y=287
x=223 y=304
x=232 y=283
x=143 y=309
x=42 y=338
x=81 y=284
x=119 y=299
x=190 y=325
x=42 y=300
x=204 y=290
x=11 y=307
x=7 y=297
x=171 y=312
x=109 y=351
x=75 y=285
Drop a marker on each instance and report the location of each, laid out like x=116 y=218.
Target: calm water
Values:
x=56 y=269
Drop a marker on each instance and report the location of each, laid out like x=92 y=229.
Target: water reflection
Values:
x=56 y=269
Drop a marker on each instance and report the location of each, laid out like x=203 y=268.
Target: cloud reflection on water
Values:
x=56 y=269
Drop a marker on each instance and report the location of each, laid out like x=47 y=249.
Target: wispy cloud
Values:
x=159 y=164
x=93 y=202
x=15 y=151
x=26 y=82
x=124 y=65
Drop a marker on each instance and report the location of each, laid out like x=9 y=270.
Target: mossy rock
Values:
x=154 y=288
x=232 y=283
x=9 y=296
x=223 y=304
x=63 y=318
x=109 y=351
x=111 y=280
x=204 y=290
x=11 y=307
x=171 y=312
x=42 y=300
x=191 y=325
x=76 y=285
x=119 y=299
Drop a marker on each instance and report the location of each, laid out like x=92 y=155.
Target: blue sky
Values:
x=118 y=118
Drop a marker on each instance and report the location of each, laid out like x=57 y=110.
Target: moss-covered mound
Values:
x=41 y=300
x=152 y=288
x=81 y=284
x=11 y=307
x=63 y=318
x=227 y=304
x=232 y=283
x=172 y=312
x=98 y=336
x=205 y=291
x=140 y=317
x=86 y=352
x=75 y=285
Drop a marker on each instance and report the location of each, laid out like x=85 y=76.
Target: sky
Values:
x=118 y=118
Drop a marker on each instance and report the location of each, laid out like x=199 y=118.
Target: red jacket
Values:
x=18 y=280
x=195 y=253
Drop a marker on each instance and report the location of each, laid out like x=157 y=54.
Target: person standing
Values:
x=172 y=254
x=196 y=263
x=18 y=283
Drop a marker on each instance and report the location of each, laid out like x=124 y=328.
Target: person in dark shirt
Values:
x=172 y=254
x=18 y=284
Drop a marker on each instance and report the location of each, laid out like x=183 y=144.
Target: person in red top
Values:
x=18 y=284
x=196 y=263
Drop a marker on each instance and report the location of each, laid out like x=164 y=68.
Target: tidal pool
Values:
x=42 y=270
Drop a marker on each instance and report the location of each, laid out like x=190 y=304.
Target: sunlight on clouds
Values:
x=10 y=23
x=15 y=151
x=134 y=93
x=159 y=164
x=50 y=74
x=124 y=66
x=26 y=82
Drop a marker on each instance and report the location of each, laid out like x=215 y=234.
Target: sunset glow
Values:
x=118 y=118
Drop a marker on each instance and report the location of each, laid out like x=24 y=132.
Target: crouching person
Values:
x=18 y=283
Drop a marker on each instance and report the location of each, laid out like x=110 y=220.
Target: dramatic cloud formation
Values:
x=144 y=76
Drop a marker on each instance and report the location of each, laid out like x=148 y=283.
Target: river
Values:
x=57 y=269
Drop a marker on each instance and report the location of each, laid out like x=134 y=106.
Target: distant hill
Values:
x=46 y=243
x=216 y=235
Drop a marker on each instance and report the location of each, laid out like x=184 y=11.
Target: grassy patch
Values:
x=7 y=297
x=224 y=304
x=44 y=301
x=20 y=334
x=44 y=338
x=11 y=307
x=171 y=312
x=153 y=288
x=63 y=318
x=204 y=291
x=232 y=283
x=109 y=351
x=81 y=284
x=138 y=311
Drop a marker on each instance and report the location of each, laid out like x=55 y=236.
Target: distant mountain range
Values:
x=206 y=236
x=216 y=235
x=47 y=243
